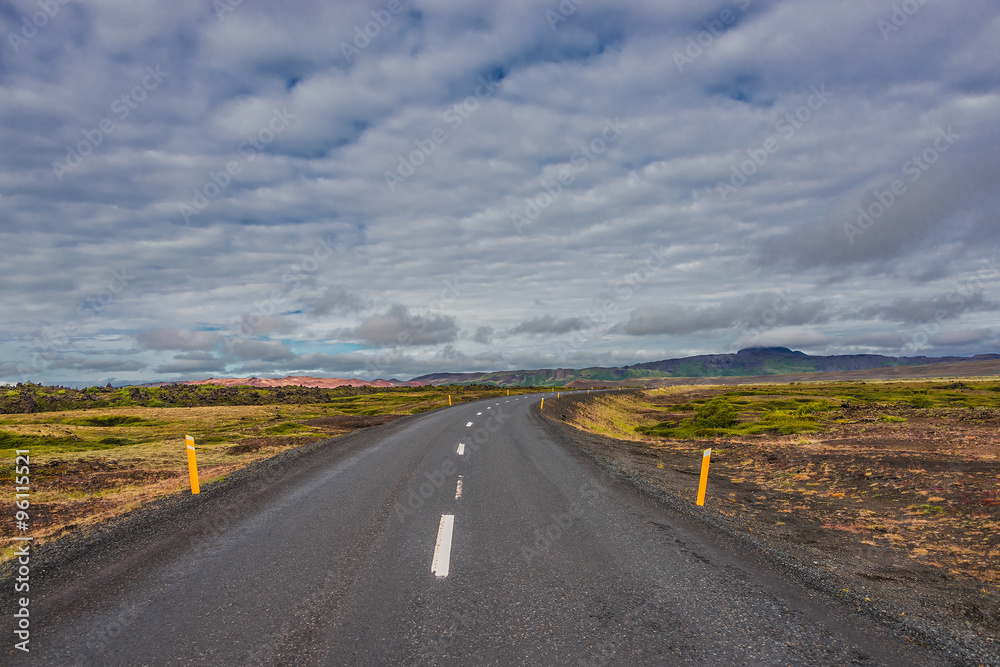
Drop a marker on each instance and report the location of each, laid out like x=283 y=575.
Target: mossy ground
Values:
x=852 y=457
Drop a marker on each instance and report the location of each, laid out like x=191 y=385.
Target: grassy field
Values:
x=914 y=466
x=88 y=466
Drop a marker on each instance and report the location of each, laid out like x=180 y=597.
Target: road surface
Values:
x=471 y=535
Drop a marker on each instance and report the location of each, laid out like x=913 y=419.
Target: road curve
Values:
x=365 y=551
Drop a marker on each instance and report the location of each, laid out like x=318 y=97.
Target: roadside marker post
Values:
x=542 y=406
x=192 y=464
x=449 y=399
x=705 y=458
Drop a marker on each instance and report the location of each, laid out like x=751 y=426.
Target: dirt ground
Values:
x=77 y=491
x=903 y=513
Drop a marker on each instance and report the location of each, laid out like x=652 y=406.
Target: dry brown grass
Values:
x=929 y=485
x=71 y=490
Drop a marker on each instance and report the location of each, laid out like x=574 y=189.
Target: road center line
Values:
x=458 y=489
x=479 y=413
x=442 y=550
x=461 y=448
x=468 y=425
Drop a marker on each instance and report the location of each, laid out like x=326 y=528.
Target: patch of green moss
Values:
x=108 y=420
x=39 y=444
x=719 y=418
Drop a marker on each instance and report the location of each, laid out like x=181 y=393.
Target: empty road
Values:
x=471 y=535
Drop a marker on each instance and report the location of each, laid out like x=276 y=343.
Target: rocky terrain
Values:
x=303 y=381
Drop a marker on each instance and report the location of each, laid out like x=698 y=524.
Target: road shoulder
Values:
x=931 y=617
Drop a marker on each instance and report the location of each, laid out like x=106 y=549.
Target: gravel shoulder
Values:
x=958 y=616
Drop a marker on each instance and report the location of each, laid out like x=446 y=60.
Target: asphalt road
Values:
x=328 y=561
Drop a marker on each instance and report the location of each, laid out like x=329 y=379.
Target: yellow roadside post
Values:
x=192 y=464
x=542 y=406
x=705 y=457
x=449 y=399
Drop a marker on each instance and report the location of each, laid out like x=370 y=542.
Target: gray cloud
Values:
x=674 y=319
x=547 y=324
x=752 y=311
x=176 y=339
x=397 y=326
x=871 y=223
x=98 y=365
x=10 y=369
x=881 y=339
x=962 y=337
x=336 y=300
x=446 y=359
x=940 y=307
x=791 y=337
x=186 y=367
x=483 y=335
x=197 y=356
x=273 y=325
x=263 y=350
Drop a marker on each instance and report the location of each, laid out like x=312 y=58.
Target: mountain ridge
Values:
x=752 y=361
x=747 y=362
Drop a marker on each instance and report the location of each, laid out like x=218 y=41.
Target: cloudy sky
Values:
x=394 y=187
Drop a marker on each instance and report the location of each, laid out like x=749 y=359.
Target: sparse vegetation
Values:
x=30 y=398
x=715 y=414
x=905 y=465
x=88 y=467
x=891 y=418
x=729 y=416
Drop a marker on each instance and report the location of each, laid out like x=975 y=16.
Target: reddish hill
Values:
x=304 y=381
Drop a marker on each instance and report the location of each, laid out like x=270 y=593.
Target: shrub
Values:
x=715 y=414
x=920 y=401
x=107 y=420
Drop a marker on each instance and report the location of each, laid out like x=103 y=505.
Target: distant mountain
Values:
x=748 y=362
x=751 y=361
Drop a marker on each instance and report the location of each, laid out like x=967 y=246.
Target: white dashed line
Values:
x=478 y=413
x=461 y=448
x=490 y=407
x=468 y=425
x=458 y=489
x=442 y=550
